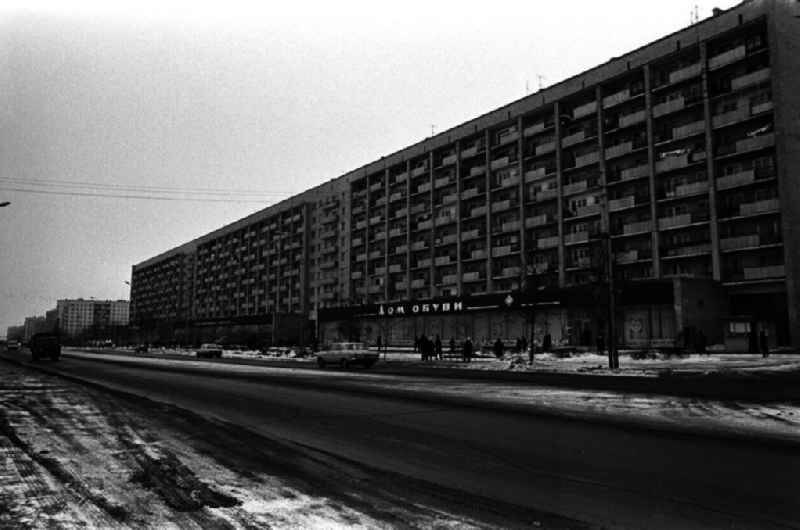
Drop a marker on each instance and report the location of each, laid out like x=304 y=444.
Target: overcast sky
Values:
x=236 y=96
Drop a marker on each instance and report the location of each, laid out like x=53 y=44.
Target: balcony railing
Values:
x=739 y=242
x=501 y=251
x=478 y=211
x=727 y=118
x=619 y=150
x=442 y=260
x=477 y=170
x=537 y=220
x=397 y=196
x=536 y=128
x=689 y=129
x=544 y=148
x=727 y=57
x=576 y=237
x=629 y=256
x=668 y=107
x=535 y=174
x=584 y=110
x=621 y=203
x=469 y=193
x=443 y=181
x=588 y=158
x=689 y=250
x=547 y=242
x=420 y=170
x=589 y=209
x=573 y=139
x=674 y=221
x=687 y=72
x=616 y=98
x=692 y=188
x=759 y=76
x=736 y=179
x=763 y=273
x=575 y=187
x=449 y=159
x=633 y=118
x=477 y=254
x=418 y=284
x=470 y=234
x=501 y=206
x=472 y=276
x=637 y=227
x=757 y=207
x=423 y=263
x=546 y=194
x=500 y=162
x=756 y=142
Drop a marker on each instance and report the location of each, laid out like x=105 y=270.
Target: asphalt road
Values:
x=602 y=474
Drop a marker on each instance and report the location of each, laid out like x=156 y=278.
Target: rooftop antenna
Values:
x=433 y=129
x=541 y=81
x=695 y=15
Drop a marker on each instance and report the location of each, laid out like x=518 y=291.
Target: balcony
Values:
x=470 y=193
x=538 y=220
x=400 y=178
x=478 y=211
x=401 y=286
x=360 y=225
x=544 y=148
x=675 y=221
x=420 y=170
x=535 y=174
x=632 y=173
x=616 y=98
x=575 y=187
x=740 y=242
x=509 y=272
x=547 y=242
x=448 y=239
x=512 y=180
x=536 y=128
x=449 y=160
x=512 y=226
x=375 y=289
x=736 y=179
x=375 y=254
x=375 y=220
x=470 y=151
x=690 y=129
x=754 y=143
x=576 y=237
x=445 y=219
x=423 y=263
x=730 y=117
x=477 y=254
x=402 y=249
x=500 y=162
x=422 y=188
x=541 y=267
x=584 y=262
x=477 y=170
x=678 y=161
x=472 y=276
x=470 y=234
x=619 y=150
x=764 y=273
x=397 y=196
x=584 y=110
x=753 y=78
x=394 y=232
x=687 y=72
x=546 y=194
x=621 y=203
x=507 y=136
x=424 y=225
x=728 y=57
x=688 y=189
x=395 y=268
x=504 y=250
x=587 y=159
x=376 y=186
x=402 y=212
x=501 y=206
x=419 y=283
x=419 y=245
x=572 y=139
x=758 y=207
x=442 y=260
x=637 y=227
x=629 y=256
x=668 y=107
x=632 y=119
x=449 y=279
x=589 y=209
x=689 y=250
x=443 y=181
x=379 y=236
x=357 y=275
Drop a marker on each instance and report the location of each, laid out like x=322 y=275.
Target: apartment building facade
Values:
x=77 y=317
x=672 y=169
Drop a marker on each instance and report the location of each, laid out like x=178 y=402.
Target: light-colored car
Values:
x=347 y=354
x=209 y=350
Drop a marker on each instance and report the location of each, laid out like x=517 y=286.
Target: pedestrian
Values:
x=763 y=343
x=518 y=345
x=423 y=347
x=452 y=347
x=416 y=344
x=438 y=346
x=466 y=350
x=601 y=344
x=524 y=342
x=498 y=348
x=379 y=343
x=547 y=342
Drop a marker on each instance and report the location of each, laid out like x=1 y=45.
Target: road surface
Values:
x=602 y=474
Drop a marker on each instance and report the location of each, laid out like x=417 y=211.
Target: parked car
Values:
x=346 y=354
x=141 y=348
x=209 y=350
x=45 y=345
x=13 y=345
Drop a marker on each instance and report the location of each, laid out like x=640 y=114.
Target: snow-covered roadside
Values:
x=75 y=457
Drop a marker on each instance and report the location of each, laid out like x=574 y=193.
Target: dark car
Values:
x=209 y=350
x=45 y=345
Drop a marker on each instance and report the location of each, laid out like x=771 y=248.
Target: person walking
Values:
x=763 y=343
x=498 y=348
x=524 y=343
x=438 y=348
x=379 y=343
x=466 y=350
x=423 y=347
x=452 y=347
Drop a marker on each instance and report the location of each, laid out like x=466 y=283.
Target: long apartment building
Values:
x=673 y=169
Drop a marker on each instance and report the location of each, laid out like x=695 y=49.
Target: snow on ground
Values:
x=75 y=457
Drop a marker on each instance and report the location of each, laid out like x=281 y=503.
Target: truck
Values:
x=45 y=345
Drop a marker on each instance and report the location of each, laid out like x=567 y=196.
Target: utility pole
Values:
x=607 y=254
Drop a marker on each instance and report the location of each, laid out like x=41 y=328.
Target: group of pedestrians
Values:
x=434 y=349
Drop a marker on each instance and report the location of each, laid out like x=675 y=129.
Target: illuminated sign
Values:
x=391 y=310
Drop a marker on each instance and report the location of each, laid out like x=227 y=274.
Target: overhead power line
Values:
x=139 y=197
x=96 y=186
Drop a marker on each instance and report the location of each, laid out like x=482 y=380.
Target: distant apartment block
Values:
x=79 y=316
x=679 y=158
